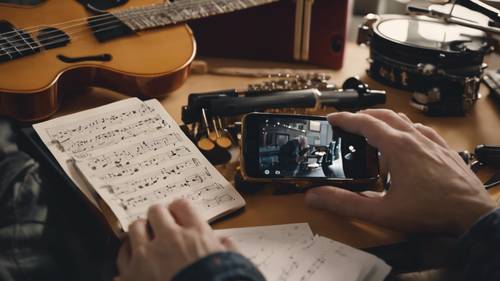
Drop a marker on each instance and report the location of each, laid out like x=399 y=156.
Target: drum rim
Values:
x=378 y=35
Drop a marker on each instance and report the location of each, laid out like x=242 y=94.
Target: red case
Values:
x=329 y=27
x=268 y=33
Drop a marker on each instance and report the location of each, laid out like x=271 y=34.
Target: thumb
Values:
x=344 y=202
x=229 y=244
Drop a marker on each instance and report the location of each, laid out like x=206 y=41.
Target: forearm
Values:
x=480 y=249
x=223 y=266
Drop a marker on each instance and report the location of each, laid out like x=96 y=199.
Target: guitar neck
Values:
x=163 y=14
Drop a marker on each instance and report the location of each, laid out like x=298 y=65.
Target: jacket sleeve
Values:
x=223 y=266
x=479 y=249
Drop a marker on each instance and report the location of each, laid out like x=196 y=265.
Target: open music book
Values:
x=129 y=155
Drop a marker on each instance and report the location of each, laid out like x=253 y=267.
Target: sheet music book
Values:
x=292 y=253
x=129 y=155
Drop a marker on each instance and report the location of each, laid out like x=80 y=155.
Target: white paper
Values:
x=291 y=252
x=262 y=244
x=134 y=155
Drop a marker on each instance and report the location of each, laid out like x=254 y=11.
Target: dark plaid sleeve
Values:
x=480 y=249
x=223 y=266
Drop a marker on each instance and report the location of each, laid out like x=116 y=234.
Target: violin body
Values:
x=146 y=64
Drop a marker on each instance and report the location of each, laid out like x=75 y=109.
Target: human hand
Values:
x=176 y=237
x=432 y=189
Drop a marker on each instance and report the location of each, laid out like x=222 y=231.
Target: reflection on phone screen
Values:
x=308 y=148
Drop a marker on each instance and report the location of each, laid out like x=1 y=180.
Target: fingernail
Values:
x=312 y=198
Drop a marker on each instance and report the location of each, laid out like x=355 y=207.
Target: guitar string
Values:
x=108 y=14
x=73 y=39
x=63 y=36
x=129 y=14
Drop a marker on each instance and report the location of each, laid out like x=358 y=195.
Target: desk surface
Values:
x=481 y=126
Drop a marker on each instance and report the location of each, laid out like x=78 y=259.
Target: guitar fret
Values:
x=156 y=15
x=13 y=45
x=24 y=39
x=4 y=51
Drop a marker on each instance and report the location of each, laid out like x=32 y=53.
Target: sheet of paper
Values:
x=262 y=244
x=316 y=261
x=133 y=155
x=291 y=252
x=56 y=133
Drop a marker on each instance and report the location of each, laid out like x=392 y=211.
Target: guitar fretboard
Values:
x=157 y=15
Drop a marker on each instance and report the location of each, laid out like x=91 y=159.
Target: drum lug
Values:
x=471 y=87
x=365 y=30
x=426 y=69
x=434 y=95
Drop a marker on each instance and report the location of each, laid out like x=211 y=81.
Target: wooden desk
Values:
x=480 y=126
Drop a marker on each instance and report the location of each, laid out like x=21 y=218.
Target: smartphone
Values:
x=278 y=147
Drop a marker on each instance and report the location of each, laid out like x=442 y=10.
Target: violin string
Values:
x=129 y=15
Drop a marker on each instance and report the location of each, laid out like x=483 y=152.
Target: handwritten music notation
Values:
x=288 y=271
x=130 y=169
x=217 y=200
x=204 y=191
x=155 y=179
x=293 y=253
x=123 y=156
x=315 y=266
x=141 y=127
x=134 y=213
x=133 y=154
x=97 y=123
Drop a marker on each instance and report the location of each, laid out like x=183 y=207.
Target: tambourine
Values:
x=441 y=63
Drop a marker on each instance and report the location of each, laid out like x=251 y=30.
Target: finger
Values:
x=161 y=221
x=186 y=215
x=378 y=133
x=123 y=259
x=138 y=233
x=405 y=117
x=391 y=118
x=345 y=203
x=431 y=134
x=229 y=244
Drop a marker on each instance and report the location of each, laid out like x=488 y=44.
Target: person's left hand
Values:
x=176 y=237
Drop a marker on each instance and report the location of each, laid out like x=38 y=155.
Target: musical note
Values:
x=131 y=169
x=133 y=154
x=122 y=156
x=204 y=191
x=148 y=198
x=88 y=143
x=288 y=271
x=317 y=264
x=97 y=123
x=217 y=200
x=157 y=178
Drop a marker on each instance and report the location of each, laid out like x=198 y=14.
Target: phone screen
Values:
x=305 y=147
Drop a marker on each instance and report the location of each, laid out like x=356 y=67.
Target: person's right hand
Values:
x=432 y=189
x=171 y=239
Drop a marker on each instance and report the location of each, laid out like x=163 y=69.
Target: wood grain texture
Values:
x=480 y=126
x=147 y=64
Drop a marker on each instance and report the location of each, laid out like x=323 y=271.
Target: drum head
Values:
x=427 y=33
